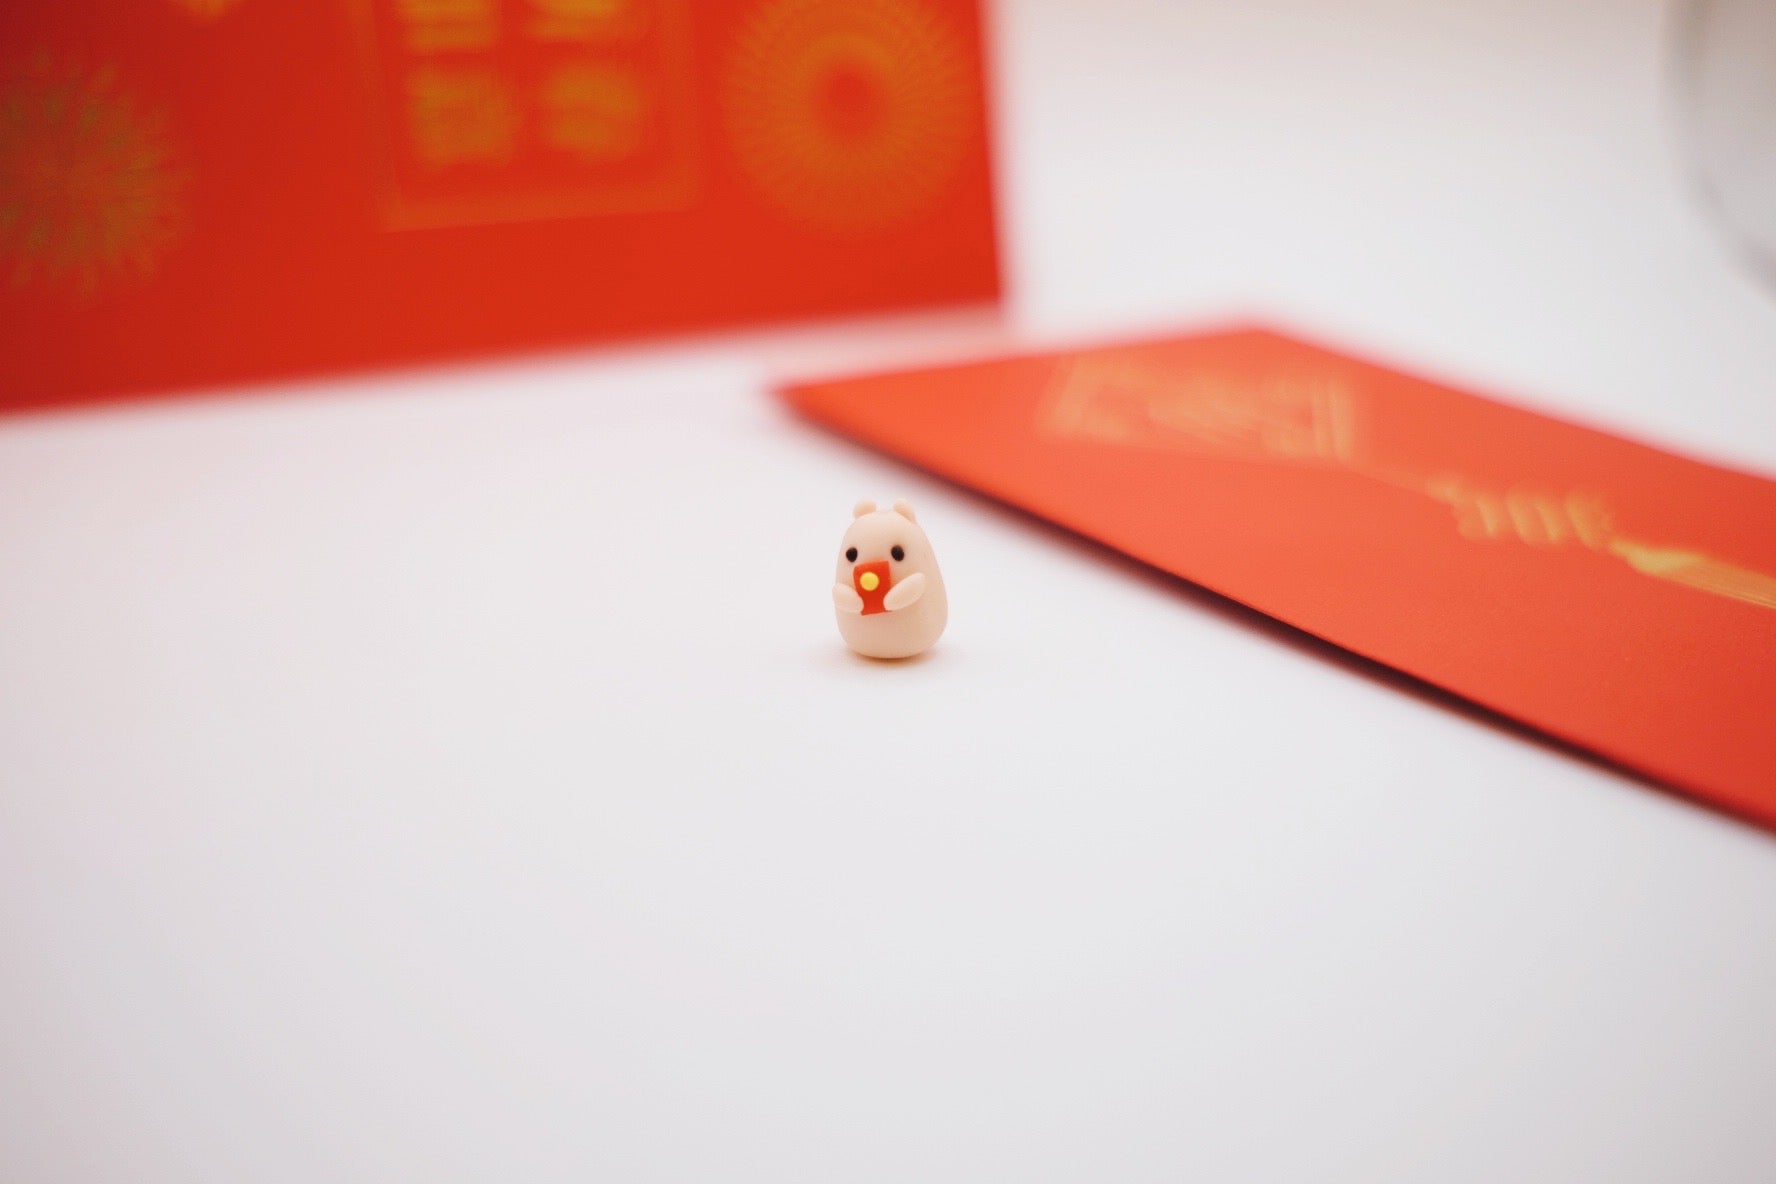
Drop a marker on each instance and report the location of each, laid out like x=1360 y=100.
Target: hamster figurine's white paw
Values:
x=905 y=593
x=846 y=599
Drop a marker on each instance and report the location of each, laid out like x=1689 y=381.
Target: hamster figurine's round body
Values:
x=888 y=594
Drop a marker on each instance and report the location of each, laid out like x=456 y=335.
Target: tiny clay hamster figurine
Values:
x=887 y=591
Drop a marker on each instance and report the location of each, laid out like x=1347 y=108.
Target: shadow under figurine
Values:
x=887 y=591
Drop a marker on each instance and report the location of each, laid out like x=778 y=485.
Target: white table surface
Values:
x=458 y=776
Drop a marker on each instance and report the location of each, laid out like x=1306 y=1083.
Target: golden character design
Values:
x=459 y=115
x=848 y=115
x=89 y=189
x=585 y=20
x=206 y=10
x=441 y=26
x=593 y=110
x=1300 y=418
x=1117 y=399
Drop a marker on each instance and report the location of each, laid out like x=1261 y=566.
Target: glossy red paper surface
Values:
x=1609 y=594
x=199 y=191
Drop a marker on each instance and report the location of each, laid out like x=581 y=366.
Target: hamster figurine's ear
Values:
x=863 y=507
x=904 y=509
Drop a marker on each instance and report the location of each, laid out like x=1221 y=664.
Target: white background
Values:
x=458 y=776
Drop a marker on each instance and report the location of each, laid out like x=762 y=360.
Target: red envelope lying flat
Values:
x=1606 y=593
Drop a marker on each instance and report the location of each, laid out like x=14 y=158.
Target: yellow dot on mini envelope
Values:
x=869 y=581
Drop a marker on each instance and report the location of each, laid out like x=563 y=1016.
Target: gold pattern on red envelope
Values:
x=439 y=26
x=460 y=114
x=588 y=20
x=521 y=110
x=1124 y=400
x=595 y=111
x=1544 y=519
x=296 y=186
x=1299 y=417
x=89 y=191
x=848 y=115
x=206 y=10
x=1605 y=592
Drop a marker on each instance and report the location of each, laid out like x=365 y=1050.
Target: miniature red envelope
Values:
x=872 y=581
x=1608 y=594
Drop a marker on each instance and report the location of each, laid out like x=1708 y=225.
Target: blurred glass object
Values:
x=1725 y=61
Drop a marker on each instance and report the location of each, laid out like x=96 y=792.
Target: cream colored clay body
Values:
x=912 y=606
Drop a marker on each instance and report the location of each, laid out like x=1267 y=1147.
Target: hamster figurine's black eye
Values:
x=899 y=552
x=850 y=554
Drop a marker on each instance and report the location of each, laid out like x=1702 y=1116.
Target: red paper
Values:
x=873 y=594
x=197 y=191
x=1606 y=593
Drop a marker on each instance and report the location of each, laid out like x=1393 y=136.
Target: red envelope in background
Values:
x=199 y=191
x=1606 y=593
